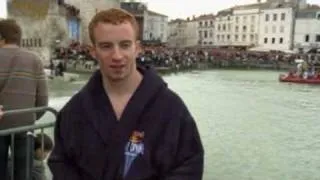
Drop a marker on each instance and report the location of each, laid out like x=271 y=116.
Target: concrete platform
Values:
x=68 y=77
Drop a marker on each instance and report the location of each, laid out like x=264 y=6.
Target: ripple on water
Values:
x=252 y=126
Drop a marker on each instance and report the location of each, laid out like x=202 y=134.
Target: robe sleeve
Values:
x=189 y=161
x=60 y=162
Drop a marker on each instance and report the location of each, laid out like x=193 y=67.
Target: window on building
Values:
x=251 y=37
x=211 y=23
x=265 y=40
x=40 y=42
x=205 y=43
x=273 y=40
x=252 y=28
x=244 y=28
x=205 y=23
x=275 y=17
x=244 y=37
x=222 y=37
x=236 y=37
x=237 y=19
x=223 y=27
x=318 y=38
x=307 y=38
x=281 y=40
x=218 y=37
x=266 y=29
x=244 y=18
x=229 y=27
x=281 y=29
x=200 y=23
x=200 y=34
x=210 y=42
x=228 y=37
x=22 y=42
x=283 y=16
x=274 y=29
x=318 y=16
x=35 y=42
x=219 y=27
x=210 y=34
x=205 y=34
x=237 y=28
x=253 y=18
x=267 y=17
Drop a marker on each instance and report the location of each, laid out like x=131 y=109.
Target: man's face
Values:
x=116 y=49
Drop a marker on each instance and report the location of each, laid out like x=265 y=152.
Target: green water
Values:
x=252 y=126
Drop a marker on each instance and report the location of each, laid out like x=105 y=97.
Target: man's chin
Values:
x=116 y=77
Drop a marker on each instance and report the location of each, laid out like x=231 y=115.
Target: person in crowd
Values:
x=42 y=147
x=23 y=84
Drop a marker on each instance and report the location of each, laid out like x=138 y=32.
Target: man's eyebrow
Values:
x=104 y=43
x=109 y=43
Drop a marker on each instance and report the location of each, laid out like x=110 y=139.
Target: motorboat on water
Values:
x=303 y=74
x=297 y=79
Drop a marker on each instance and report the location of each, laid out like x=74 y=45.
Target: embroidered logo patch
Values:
x=133 y=148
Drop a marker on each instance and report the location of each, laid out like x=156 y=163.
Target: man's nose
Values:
x=117 y=54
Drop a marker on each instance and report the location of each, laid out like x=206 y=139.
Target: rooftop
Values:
x=225 y=12
x=156 y=14
x=177 y=21
x=205 y=17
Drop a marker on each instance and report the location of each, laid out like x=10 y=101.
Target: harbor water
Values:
x=252 y=126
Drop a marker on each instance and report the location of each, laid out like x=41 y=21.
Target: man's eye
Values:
x=105 y=46
x=126 y=45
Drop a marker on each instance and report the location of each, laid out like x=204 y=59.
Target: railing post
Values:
x=29 y=157
x=12 y=157
x=30 y=137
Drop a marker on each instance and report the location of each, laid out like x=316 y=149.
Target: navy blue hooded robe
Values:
x=156 y=137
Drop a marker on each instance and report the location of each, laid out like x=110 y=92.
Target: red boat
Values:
x=297 y=79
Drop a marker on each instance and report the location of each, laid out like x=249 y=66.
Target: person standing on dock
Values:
x=125 y=123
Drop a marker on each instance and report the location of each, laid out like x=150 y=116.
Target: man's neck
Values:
x=10 y=46
x=124 y=87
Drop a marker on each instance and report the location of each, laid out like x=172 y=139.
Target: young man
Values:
x=22 y=85
x=125 y=123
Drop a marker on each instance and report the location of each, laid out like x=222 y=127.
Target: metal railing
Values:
x=29 y=132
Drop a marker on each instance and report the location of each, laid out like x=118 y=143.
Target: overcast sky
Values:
x=182 y=8
x=3 y=10
x=187 y=8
